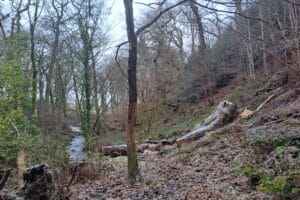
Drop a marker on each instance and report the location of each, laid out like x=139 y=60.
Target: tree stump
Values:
x=39 y=183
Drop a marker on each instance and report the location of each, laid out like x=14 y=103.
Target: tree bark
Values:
x=132 y=106
x=202 y=44
x=33 y=61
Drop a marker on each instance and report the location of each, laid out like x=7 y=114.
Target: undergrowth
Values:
x=278 y=173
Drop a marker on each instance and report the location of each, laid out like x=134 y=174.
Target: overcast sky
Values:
x=117 y=17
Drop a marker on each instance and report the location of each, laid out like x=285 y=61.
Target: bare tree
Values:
x=33 y=21
x=132 y=106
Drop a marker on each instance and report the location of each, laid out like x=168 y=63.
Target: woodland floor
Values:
x=205 y=169
x=208 y=168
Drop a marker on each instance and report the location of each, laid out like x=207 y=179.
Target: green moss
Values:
x=270 y=143
x=280 y=175
x=238 y=94
x=276 y=186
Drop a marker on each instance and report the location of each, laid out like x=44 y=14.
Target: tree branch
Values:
x=291 y=2
x=229 y=12
x=143 y=28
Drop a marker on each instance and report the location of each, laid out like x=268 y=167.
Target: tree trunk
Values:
x=250 y=51
x=33 y=60
x=132 y=106
x=34 y=74
x=202 y=44
x=262 y=29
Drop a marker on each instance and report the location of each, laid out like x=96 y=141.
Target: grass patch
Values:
x=178 y=125
x=161 y=129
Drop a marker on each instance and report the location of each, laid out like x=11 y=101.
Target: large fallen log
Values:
x=223 y=114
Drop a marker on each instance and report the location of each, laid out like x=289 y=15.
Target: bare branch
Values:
x=229 y=12
x=291 y=2
x=144 y=27
x=117 y=60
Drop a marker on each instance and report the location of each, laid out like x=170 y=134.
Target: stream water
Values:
x=76 y=147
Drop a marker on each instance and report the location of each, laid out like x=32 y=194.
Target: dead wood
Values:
x=224 y=113
x=121 y=150
x=246 y=114
x=4 y=177
x=39 y=183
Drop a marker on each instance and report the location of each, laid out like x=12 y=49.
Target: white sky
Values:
x=117 y=17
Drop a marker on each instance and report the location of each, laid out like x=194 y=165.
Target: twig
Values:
x=4 y=178
x=117 y=60
x=74 y=172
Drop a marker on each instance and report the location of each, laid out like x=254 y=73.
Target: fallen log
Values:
x=115 y=150
x=121 y=150
x=224 y=113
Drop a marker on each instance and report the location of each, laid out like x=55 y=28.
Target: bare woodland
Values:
x=61 y=65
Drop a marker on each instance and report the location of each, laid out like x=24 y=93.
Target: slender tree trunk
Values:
x=48 y=95
x=132 y=106
x=202 y=44
x=203 y=52
x=250 y=52
x=262 y=30
x=32 y=57
x=34 y=74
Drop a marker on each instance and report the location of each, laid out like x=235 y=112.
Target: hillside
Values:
x=255 y=158
x=149 y=99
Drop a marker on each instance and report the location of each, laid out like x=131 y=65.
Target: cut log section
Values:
x=223 y=114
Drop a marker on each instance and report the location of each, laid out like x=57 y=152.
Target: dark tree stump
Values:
x=39 y=183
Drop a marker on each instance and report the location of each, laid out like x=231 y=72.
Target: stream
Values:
x=76 y=148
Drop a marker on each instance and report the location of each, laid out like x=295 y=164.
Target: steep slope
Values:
x=256 y=158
